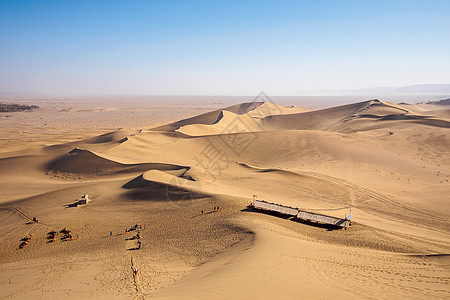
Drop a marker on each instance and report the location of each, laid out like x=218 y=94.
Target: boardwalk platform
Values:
x=286 y=210
x=300 y=214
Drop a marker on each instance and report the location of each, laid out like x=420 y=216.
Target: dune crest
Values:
x=349 y=118
x=85 y=162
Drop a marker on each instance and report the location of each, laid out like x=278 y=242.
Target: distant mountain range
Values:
x=407 y=90
x=440 y=102
x=416 y=89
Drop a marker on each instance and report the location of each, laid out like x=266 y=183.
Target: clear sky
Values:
x=220 y=47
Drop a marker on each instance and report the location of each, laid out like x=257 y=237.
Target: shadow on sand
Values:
x=328 y=227
x=133 y=249
x=75 y=204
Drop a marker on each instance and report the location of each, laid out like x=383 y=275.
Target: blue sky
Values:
x=220 y=47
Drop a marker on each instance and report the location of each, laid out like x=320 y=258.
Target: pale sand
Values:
x=334 y=159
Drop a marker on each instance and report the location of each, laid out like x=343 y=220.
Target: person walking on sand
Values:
x=110 y=233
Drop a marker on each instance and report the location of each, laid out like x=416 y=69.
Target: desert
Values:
x=224 y=149
x=182 y=174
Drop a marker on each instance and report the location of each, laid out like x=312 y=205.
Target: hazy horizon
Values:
x=405 y=91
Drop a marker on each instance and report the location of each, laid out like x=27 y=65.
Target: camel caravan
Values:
x=66 y=235
x=25 y=240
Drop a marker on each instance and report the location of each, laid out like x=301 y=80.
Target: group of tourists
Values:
x=216 y=208
x=137 y=236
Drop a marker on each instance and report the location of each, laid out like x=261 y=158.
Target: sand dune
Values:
x=386 y=163
x=84 y=162
x=263 y=266
x=166 y=185
x=351 y=118
x=226 y=122
x=211 y=117
x=115 y=136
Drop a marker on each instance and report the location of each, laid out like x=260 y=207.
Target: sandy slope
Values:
x=274 y=264
x=389 y=164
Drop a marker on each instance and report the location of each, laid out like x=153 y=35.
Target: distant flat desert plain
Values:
x=169 y=181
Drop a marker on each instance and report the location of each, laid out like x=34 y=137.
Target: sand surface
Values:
x=160 y=164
